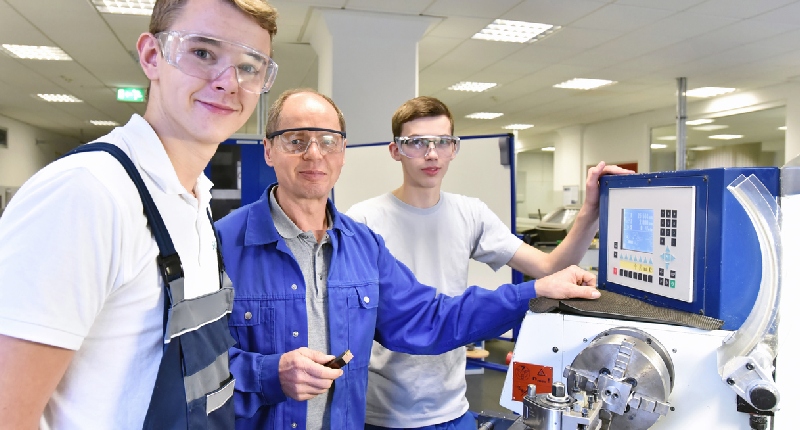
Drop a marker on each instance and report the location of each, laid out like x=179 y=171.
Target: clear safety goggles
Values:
x=298 y=140
x=207 y=57
x=420 y=146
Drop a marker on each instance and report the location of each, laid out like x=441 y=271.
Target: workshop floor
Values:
x=483 y=390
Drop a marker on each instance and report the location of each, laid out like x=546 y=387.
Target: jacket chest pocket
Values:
x=362 y=304
x=252 y=324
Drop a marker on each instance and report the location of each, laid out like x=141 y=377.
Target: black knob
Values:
x=763 y=398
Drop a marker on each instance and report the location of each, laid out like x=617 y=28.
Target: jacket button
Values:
x=295 y=334
x=294 y=425
x=366 y=299
x=248 y=315
x=294 y=286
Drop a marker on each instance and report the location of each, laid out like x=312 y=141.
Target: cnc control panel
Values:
x=650 y=240
x=681 y=240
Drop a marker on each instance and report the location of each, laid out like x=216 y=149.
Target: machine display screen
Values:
x=637 y=230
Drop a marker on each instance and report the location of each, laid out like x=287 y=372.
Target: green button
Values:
x=672 y=283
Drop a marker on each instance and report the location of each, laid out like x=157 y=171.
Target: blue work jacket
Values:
x=371 y=295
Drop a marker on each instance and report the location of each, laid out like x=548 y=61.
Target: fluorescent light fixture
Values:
x=28 y=52
x=657 y=146
x=709 y=91
x=710 y=127
x=503 y=30
x=726 y=136
x=517 y=126
x=104 y=123
x=584 y=84
x=484 y=115
x=475 y=87
x=667 y=138
x=701 y=148
x=549 y=149
x=699 y=121
x=782 y=128
x=125 y=7
x=59 y=98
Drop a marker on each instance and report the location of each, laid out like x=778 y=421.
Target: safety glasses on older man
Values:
x=420 y=146
x=298 y=140
x=207 y=57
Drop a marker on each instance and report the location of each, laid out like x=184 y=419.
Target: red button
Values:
x=615 y=270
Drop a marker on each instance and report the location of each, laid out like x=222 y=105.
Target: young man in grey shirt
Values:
x=435 y=234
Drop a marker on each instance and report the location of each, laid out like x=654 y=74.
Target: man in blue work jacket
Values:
x=311 y=283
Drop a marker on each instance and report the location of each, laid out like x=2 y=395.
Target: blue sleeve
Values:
x=413 y=319
x=257 y=382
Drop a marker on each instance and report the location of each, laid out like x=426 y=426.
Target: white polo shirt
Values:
x=78 y=271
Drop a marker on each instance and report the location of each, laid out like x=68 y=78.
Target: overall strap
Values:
x=168 y=261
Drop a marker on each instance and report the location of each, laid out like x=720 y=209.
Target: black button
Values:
x=639 y=276
x=650 y=278
x=660 y=271
x=662 y=231
x=662 y=213
x=663 y=221
x=661 y=241
x=674 y=232
x=672 y=274
x=615 y=254
x=666 y=232
x=673 y=242
x=674 y=223
x=616 y=245
x=674 y=213
x=661 y=281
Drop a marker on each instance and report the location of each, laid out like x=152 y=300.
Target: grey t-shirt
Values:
x=314 y=258
x=436 y=243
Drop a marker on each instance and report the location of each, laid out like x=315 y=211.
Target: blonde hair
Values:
x=165 y=12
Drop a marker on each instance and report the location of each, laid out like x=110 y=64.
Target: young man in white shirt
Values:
x=435 y=234
x=83 y=341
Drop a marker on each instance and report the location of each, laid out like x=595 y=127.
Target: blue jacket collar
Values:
x=260 y=228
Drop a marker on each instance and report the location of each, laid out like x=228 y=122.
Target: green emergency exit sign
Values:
x=132 y=95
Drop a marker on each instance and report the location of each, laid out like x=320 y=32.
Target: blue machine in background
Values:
x=239 y=173
x=680 y=240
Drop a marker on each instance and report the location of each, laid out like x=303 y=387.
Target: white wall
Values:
x=627 y=139
x=24 y=156
x=539 y=193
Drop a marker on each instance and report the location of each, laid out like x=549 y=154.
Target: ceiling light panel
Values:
x=726 y=136
x=502 y=30
x=549 y=149
x=125 y=7
x=102 y=123
x=484 y=115
x=584 y=84
x=701 y=148
x=699 y=121
x=59 y=98
x=710 y=127
x=657 y=146
x=709 y=92
x=518 y=126
x=28 y=52
x=667 y=138
x=475 y=87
